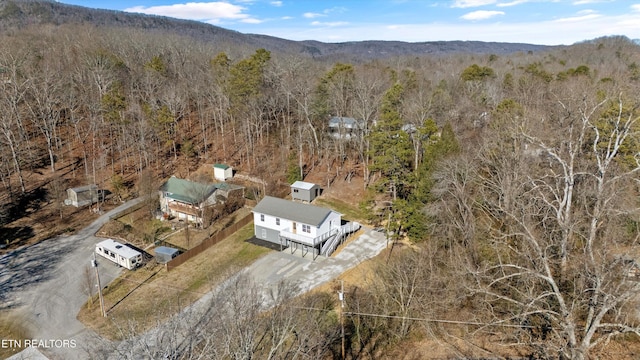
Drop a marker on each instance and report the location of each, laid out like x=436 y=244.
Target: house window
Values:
x=261 y=217
x=277 y=221
x=295 y=190
x=306 y=228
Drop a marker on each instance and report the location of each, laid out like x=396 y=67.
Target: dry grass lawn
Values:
x=11 y=329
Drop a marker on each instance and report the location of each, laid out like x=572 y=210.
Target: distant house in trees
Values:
x=345 y=127
x=304 y=191
x=293 y=224
x=187 y=200
x=83 y=195
x=222 y=172
x=4 y=76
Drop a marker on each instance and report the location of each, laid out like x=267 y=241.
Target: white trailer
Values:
x=119 y=254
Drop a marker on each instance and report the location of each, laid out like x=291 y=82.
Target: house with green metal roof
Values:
x=296 y=225
x=185 y=199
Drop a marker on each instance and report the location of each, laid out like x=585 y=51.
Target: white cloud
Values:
x=211 y=12
x=472 y=3
x=481 y=15
x=276 y=3
x=310 y=15
x=583 y=16
x=635 y=7
x=587 y=2
x=251 y=21
x=512 y=3
x=330 y=24
x=325 y=12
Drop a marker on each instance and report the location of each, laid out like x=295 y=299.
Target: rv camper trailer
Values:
x=119 y=254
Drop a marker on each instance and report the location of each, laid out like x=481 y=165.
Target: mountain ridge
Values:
x=17 y=14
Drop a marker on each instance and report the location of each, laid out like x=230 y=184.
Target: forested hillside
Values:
x=510 y=180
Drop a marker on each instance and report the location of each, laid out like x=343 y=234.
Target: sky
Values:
x=543 y=22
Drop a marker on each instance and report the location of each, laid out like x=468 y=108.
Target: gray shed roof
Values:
x=80 y=189
x=285 y=209
x=303 y=185
x=166 y=250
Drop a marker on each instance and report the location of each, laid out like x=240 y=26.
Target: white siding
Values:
x=270 y=222
x=331 y=222
x=285 y=225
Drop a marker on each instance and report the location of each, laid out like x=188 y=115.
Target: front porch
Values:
x=297 y=241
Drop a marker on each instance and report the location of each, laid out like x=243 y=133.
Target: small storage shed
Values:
x=222 y=172
x=164 y=254
x=304 y=191
x=83 y=195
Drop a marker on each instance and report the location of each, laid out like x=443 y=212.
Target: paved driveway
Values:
x=41 y=283
x=306 y=273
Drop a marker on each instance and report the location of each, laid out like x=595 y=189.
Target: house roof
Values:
x=344 y=122
x=187 y=191
x=227 y=187
x=80 y=189
x=303 y=185
x=285 y=209
x=221 y=166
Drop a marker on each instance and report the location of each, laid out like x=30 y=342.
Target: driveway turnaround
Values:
x=41 y=285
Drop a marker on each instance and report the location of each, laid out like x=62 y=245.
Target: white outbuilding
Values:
x=222 y=172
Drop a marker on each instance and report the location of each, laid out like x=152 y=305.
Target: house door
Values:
x=293 y=227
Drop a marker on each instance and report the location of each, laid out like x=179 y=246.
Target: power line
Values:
x=420 y=319
x=439 y=320
x=162 y=286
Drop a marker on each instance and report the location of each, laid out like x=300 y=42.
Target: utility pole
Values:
x=341 y=297
x=94 y=263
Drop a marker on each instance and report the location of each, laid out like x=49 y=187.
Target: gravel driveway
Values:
x=41 y=284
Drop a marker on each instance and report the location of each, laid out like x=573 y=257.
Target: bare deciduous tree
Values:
x=549 y=254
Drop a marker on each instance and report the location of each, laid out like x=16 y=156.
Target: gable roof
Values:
x=345 y=122
x=227 y=187
x=187 y=191
x=302 y=213
x=303 y=185
x=79 y=189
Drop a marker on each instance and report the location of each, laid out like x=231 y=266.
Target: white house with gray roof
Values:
x=295 y=224
x=346 y=127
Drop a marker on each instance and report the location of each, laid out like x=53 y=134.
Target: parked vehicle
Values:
x=119 y=253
